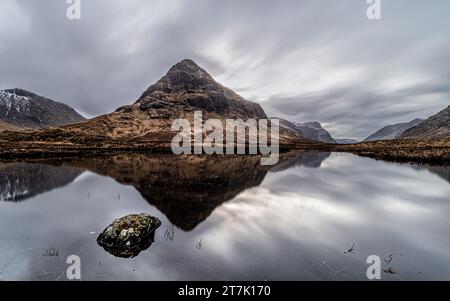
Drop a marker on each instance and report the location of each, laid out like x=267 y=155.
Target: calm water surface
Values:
x=228 y=219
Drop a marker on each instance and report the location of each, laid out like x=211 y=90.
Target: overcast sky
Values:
x=302 y=60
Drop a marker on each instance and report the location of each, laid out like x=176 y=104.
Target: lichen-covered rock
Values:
x=129 y=235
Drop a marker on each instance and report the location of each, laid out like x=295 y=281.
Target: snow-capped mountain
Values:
x=27 y=110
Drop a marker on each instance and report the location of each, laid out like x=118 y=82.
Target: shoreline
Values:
x=52 y=150
x=430 y=151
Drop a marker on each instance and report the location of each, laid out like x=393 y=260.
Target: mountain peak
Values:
x=18 y=97
x=314 y=124
x=187 y=69
x=20 y=92
x=187 y=88
x=186 y=65
x=185 y=75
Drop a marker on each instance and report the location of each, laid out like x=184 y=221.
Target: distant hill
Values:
x=392 y=131
x=309 y=130
x=22 y=108
x=437 y=126
x=318 y=132
x=346 y=141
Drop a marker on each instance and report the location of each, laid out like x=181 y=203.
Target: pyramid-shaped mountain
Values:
x=187 y=88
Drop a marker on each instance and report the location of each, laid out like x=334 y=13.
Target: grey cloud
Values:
x=357 y=110
x=291 y=56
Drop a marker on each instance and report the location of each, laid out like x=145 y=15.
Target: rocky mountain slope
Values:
x=437 y=126
x=28 y=110
x=393 y=131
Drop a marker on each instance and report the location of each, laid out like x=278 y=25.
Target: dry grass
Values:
x=4 y=126
x=425 y=150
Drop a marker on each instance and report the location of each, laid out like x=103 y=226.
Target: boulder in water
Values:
x=129 y=235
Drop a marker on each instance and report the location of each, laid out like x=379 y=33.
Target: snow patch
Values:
x=14 y=102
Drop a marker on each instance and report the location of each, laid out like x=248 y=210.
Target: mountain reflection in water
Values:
x=21 y=181
x=225 y=217
x=186 y=189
